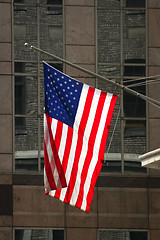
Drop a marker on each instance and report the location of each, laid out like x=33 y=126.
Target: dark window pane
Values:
x=56 y=10
x=135 y=3
x=18 y=1
x=134 y=106
x=134 y=70
x=19 y=95
x=58 y=235
x=138 y=235
x=54 y=2
x=58 y=66
x=19 y=234
x=19 y=67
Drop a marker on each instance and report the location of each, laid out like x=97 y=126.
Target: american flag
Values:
x=76 y=124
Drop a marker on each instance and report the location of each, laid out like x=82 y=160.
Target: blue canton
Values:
x=62 y=94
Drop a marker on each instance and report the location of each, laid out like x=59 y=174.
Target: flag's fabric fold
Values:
x=76 y=124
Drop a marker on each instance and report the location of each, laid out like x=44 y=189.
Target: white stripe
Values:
x=81 y=106
x=96 y=147
x=70 y=163
x=74 y=138
x=102 y=122
x=61 y=148
x=50 y=153
x=85 y=146
x=46 y=183
x=63 y=142
x=54 y=127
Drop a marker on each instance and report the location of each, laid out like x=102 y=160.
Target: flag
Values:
x=76 y=124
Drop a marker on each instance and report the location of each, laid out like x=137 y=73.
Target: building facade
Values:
x=118 y=39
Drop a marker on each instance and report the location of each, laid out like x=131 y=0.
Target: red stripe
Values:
x=90 y=148
x=67 y=146
x=48 y=170
x=107 y=125
x=58 y=134
x=57 y=143
x=101 y=152
x=55 y=154
x=82 y=126
x=92 y=185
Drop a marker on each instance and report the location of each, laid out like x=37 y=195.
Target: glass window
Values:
x=20 y=99
x=121 y=45
x=122 y=235
x=36 y=234
x=135 y=3
x=56 y=9
x=37 y=27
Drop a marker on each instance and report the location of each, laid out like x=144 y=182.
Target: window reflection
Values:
x=36 y=234
x=123 y=235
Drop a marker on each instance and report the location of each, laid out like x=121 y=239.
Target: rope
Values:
x=115 y=125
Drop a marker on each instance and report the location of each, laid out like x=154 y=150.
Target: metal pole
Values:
x=145 y=98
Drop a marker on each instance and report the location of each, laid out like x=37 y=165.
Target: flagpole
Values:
x=131 y=91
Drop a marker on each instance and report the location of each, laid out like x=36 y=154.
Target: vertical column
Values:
x=80 y=37
x=154 y=69
x=154 y=112
x=80 y=48
x=6 y=202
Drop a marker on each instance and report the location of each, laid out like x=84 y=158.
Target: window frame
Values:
x=124 y=230
x=122 y=8
x=33 y=228
x=38 y=75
